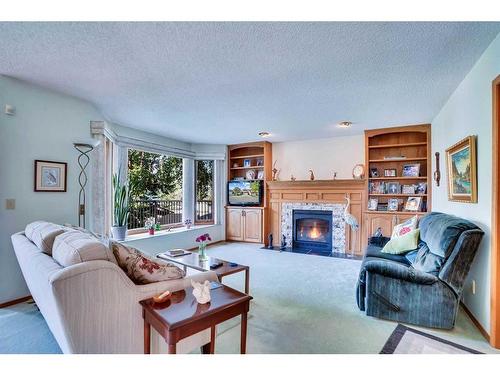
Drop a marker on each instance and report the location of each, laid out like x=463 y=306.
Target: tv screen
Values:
x=244 y=193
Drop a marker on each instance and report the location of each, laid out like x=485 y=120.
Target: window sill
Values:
x=164 y=232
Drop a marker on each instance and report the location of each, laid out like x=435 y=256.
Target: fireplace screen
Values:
x=312 y=230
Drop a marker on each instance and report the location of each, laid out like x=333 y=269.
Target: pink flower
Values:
x=203 y=238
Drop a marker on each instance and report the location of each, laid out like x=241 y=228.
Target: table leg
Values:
x=247 y=281
x=172 y=348
x=243 y=345
x=212 y=340
x=205 y=349
x=147 y=338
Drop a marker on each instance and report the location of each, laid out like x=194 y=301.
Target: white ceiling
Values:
x=225 y=82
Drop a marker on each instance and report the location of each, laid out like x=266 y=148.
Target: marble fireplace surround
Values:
x=338 y=223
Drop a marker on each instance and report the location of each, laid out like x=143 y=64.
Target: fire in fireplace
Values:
x=312 y=229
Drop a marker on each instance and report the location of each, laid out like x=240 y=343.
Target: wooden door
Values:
x=234 y=224
x=384 y=221
x=252 y=227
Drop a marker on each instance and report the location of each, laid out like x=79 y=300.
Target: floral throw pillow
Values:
x=405 y=228
x=142 y=269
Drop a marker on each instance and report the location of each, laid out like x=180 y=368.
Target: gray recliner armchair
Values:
x=424 y=286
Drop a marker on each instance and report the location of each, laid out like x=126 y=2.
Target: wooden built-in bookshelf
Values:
x=393 y=149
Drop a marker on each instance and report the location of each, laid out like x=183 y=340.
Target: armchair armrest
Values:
x=378 y=241
x=399 y=271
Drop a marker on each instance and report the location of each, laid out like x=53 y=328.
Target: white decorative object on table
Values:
x=201 y=291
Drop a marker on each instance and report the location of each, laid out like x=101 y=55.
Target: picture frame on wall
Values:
x=461 y=167
x=50 y=176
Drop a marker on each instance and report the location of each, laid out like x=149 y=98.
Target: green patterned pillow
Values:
x=402 y=244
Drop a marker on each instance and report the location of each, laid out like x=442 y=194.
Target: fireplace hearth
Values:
x=312 y=230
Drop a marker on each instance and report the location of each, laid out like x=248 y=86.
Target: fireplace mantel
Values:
x=318 y=191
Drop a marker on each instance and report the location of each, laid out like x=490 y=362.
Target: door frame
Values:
x=495 y=220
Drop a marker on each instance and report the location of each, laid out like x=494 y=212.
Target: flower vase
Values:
x=201 y=251
x=151 y=231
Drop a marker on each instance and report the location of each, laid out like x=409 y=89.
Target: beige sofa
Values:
x=93 y=307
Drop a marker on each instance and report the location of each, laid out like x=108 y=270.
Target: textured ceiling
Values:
x=225 y=82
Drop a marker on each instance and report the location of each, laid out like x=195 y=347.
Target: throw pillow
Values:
x=73 y=247
x=142 y=269
x=426 y=260
x=404 y=228
x=43 y=234
x=402 y=244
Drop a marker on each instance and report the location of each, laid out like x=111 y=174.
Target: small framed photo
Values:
x=408 y=189
x=373 y=172
x=413 y=204
x=390 y=172
x=393 y=204
x=247 y=163
x=50 y=176
x=372 y=204
x=260 y=163
x=382 y=207
x=411 y=170
x=260 y=175
x=421 y=188
x=393 y=188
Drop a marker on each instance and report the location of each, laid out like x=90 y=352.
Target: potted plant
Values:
x=202 y=245
x=188 y=223
x=121 y=199
x=150 y=225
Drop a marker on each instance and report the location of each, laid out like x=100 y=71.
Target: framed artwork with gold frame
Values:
x=461 y=166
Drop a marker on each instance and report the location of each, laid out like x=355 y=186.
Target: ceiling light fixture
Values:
x=264 y=134
x=344 y=124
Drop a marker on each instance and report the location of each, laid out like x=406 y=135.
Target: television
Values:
x=244 y=192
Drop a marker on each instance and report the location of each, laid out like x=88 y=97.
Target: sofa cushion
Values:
x=43 y=234
x=441 y=231
x=142 y=269
x=426 y=261
x=373 y=251
x=74 y=247
x=402 y=244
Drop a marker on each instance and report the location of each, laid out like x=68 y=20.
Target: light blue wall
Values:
x=45 y=126
x=468 y=112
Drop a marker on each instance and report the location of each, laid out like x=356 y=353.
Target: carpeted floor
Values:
x=302 y=304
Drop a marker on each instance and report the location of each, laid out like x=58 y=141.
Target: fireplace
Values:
x=312 y=229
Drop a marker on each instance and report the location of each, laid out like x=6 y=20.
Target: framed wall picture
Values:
x=413 y=204
x=411 y=170
x=390 y=172
x=50 y=176
x=461 y=166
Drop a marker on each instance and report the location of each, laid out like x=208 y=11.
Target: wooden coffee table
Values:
x=181 y=316
x=192 y=260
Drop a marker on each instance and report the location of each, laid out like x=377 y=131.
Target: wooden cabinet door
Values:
x=252 y=227
x=386 y=222
x=234 y=224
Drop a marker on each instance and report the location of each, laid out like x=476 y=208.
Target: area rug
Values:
x=405 y=340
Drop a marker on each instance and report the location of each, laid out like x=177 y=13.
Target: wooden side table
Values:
x=181 y=316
